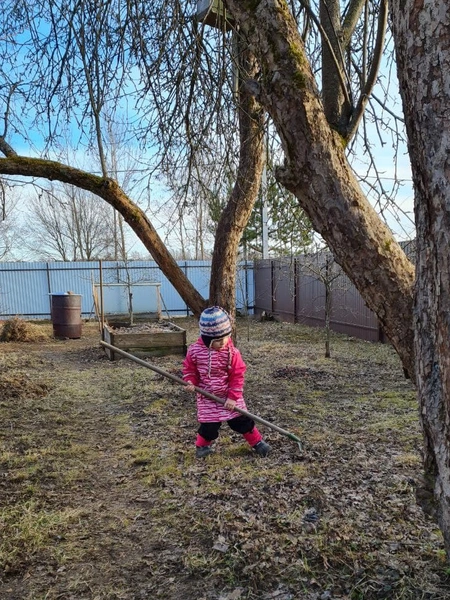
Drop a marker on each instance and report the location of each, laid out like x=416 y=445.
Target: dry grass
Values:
x=101 y=496
x=19 y=330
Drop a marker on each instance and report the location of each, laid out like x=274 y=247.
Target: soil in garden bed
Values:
x=151 y=327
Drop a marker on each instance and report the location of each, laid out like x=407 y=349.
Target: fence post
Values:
x=247 y=304
x=272 y=286
x=187 y=276
x=295 y=290
x=49 y=287
x=381 y=334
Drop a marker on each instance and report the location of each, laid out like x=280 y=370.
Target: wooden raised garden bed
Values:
x=153 y=339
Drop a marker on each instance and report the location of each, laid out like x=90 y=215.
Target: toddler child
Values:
x=214 y=364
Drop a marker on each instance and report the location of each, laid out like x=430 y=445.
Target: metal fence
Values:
x=296 y=290
x=289 y=289
x=26 y=287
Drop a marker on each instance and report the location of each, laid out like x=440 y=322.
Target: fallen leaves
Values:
x=339 y=523
x=221 y=544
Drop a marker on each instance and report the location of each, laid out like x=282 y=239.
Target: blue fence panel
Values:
x=24 y=292
x=245 y=287
x=25 y=288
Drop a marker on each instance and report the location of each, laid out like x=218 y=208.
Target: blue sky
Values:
x=400 y=224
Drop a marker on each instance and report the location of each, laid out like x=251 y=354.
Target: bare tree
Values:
x=315 y=167
x=186 y=97
x=85 y=34
x=11 y=245
x=318 y=175
x=322 y=266
x=83 y=61
x=66 y=223
x=6 y=233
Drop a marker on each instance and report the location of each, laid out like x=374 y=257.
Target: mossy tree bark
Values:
x=422 y=42
x=317 y=171
x=412 y=307
x=239 y=207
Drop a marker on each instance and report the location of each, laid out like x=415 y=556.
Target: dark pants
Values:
x=241 y=424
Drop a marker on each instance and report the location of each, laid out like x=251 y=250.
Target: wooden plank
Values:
x=109 y=339
x=158 y=342
x=144 y=339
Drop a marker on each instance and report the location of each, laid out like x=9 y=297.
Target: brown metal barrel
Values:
x=66 y=315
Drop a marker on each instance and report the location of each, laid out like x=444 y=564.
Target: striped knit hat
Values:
x=215 y=323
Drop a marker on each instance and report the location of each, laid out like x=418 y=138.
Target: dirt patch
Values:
x=15 y=387
x=157 y=326
x=101 y=495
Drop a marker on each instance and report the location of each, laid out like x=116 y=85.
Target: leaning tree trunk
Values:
x=112 y=193
x=238 y=210
x=422 y=42
x=317 y=172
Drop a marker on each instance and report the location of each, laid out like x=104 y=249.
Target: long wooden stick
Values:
x=143 y=363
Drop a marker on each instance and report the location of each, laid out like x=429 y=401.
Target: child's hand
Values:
x=190 y=387
x=230 y=404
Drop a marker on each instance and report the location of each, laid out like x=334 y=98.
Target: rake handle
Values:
x=176 y=379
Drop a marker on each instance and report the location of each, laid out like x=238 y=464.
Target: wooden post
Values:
x=102 y=310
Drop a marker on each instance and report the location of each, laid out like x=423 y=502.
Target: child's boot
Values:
x=202 y=451
x=262 y=448
x=254 y=438
x=202 y=447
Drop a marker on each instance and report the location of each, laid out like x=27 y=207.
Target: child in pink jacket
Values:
x=215 y=365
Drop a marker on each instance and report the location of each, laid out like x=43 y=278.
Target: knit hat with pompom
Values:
x=215 y=323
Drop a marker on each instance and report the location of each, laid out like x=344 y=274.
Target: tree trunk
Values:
x=111 y=192
x=317 y=172
x=237 y=213
x=422 y=42
x=336 y=106
x=328 y=281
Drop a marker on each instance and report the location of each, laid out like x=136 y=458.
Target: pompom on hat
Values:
x=215 y=323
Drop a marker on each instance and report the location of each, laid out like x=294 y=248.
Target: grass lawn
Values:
x=102 y=498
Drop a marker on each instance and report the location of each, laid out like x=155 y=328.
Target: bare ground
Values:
x=101 y=496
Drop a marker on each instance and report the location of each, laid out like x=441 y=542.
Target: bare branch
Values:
x=373 y=73
x=5 y=148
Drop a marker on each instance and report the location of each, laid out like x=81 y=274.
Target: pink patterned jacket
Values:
x=220 y=372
